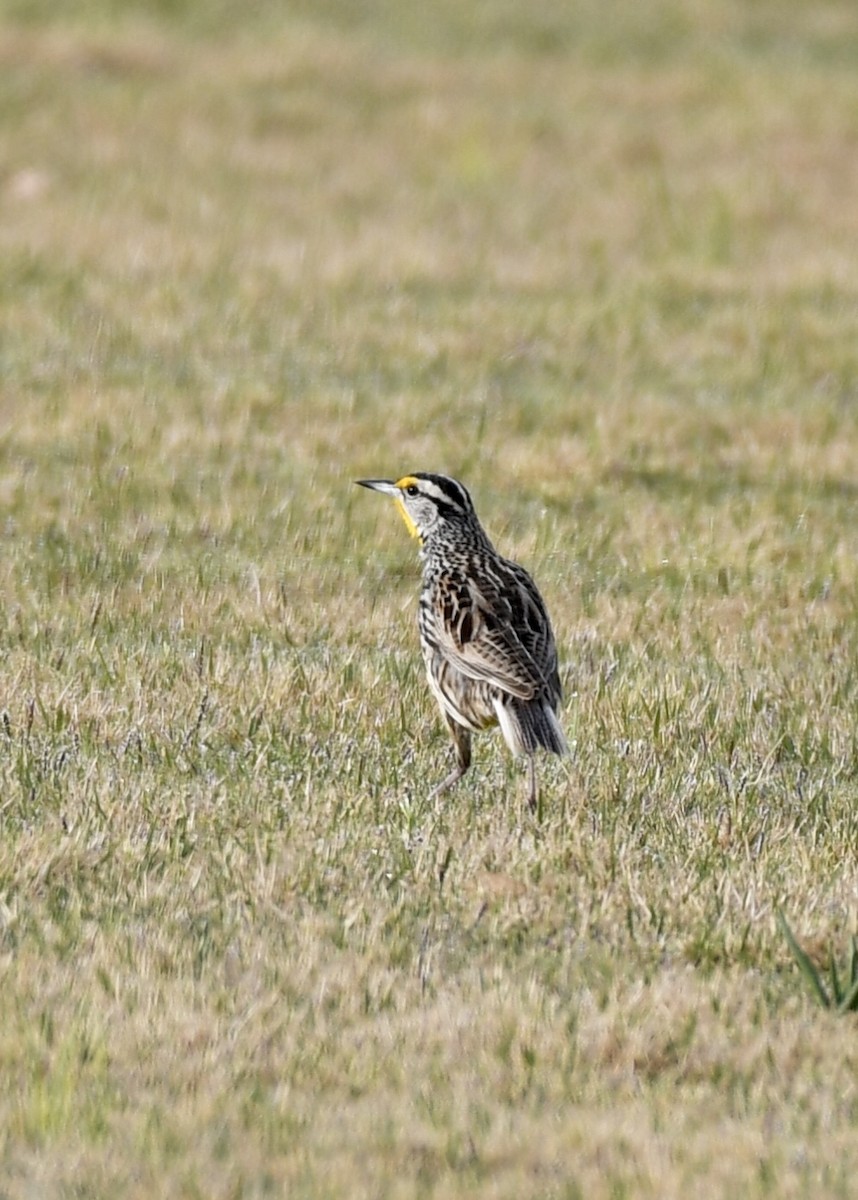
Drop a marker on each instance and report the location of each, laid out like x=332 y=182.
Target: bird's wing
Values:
x=536 y=631
x=485 y=629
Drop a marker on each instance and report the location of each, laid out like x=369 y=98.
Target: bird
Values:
x=485 y=634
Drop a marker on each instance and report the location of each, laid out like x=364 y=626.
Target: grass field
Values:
x=598 y=261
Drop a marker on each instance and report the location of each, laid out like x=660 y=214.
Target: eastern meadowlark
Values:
x=486 y=638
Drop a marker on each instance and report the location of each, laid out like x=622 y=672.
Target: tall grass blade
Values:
x=849 y=1003
x=807 y=968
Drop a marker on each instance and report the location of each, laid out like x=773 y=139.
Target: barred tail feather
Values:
x=553 y=738
x=528 y=724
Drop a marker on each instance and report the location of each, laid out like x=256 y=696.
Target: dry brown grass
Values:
x=600 y=264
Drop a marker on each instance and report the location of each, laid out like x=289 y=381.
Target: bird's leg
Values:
x=462 y=740
x=533 y=793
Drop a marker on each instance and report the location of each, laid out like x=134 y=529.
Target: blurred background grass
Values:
x=597 y=260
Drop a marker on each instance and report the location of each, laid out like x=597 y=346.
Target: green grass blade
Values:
x=836 y=989
x=807 y=968
x=849 y=1002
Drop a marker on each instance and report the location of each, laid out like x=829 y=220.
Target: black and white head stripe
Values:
x=448 y=494
x=427 y=502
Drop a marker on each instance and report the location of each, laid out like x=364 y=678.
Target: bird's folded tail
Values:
x=528 y=725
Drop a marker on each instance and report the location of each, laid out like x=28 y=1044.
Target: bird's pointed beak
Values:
x=380 y=485
x=393 y=489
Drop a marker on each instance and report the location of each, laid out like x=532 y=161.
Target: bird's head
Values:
x=428 y=503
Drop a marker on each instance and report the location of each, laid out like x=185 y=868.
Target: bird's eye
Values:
x=412 y=490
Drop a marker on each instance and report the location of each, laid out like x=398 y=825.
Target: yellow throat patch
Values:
x=409 y=524
x=407 y=481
